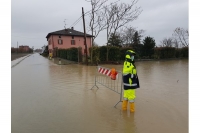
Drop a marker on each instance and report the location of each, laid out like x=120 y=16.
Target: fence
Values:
x=102 y=77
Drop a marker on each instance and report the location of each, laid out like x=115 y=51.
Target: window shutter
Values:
x=72 y=42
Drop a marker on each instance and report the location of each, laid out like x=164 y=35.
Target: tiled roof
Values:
x=68 y=32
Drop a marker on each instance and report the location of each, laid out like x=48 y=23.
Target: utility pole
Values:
x=17 y=47
x=85 y=36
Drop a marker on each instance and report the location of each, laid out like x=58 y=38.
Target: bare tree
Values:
x=181 y=37
x=96 y=19
x=119 y=15
x=175 y=42
x=167 y=42
x=127 y=35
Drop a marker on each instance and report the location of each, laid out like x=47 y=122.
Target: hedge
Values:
x=69 y=54
x=118 y=54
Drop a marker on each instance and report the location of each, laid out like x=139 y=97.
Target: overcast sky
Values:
x=32 y=20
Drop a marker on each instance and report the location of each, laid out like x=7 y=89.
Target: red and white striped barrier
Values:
x=105 y=71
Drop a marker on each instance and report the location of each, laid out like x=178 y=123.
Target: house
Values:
x=67 y=38
x=24 y=48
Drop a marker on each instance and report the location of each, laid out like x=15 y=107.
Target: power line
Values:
x=87 y=13
x=76 y=22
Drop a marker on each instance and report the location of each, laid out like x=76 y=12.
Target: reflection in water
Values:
x=57 y=98
x=129 y=122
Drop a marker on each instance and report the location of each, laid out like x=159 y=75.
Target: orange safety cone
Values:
x=113 y=74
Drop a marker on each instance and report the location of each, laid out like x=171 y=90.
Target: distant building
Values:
x=24 y=48
x=67 y=38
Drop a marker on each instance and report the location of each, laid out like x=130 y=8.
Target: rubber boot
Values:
x=132 y=107
x=124 y=104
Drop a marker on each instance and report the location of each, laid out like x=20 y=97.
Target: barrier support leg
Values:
x=94 y=86
x=117 y=103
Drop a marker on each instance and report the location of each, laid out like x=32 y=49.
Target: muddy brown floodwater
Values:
x=51 y=98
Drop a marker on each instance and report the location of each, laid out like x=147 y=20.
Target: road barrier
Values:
x=103 y=77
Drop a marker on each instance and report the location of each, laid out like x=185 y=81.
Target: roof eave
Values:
x=66 y=35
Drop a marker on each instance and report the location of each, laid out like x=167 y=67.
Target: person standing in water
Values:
x=130 y=81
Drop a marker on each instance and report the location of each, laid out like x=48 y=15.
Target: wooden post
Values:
x=85 y=36
x=17 y=47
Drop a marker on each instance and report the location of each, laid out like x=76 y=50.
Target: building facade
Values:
x=68 y=38
x=24 y=49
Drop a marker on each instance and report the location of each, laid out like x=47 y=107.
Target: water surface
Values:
x=50 y=98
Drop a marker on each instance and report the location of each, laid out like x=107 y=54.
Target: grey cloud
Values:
x=35 y=18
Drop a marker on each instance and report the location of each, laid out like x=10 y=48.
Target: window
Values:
x=59 y=36
x=72 y=42
x=72 y=37
x=49 y=42
x=60 y=41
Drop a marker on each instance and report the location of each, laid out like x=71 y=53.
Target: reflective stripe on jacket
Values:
x=130 y=79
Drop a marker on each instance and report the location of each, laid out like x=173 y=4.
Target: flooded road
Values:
x=51 y=98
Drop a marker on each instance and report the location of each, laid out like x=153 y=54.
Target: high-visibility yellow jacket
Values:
x=130 y=78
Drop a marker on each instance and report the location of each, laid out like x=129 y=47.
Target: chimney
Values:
x=72 y=28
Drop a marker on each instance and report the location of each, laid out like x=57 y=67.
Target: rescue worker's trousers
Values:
x=129 y=95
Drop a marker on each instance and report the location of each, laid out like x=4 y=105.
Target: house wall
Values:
x=26 y=48
x=66 y=42
x=23 y=48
